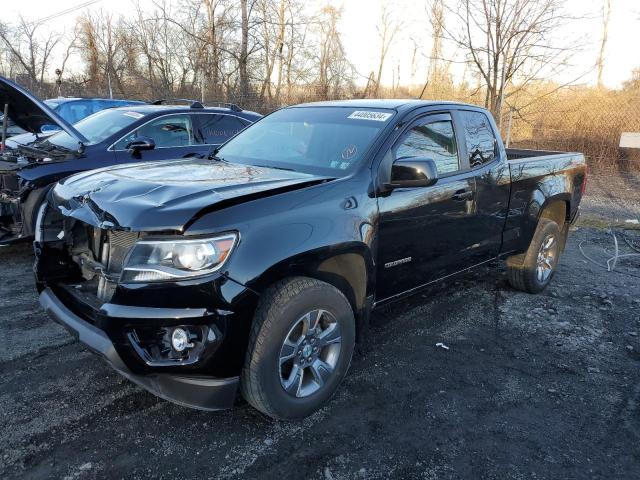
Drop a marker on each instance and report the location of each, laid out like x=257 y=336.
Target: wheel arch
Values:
x=556 y=208
x=30 y=208
x=348 y=268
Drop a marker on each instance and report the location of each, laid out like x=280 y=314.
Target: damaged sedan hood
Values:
x=167 y=195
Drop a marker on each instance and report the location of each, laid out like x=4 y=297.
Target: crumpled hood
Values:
x=167 y=195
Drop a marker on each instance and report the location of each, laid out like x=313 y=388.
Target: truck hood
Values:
x=168 y=195
x=29 y=113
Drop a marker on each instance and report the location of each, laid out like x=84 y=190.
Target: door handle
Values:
x=462 y=195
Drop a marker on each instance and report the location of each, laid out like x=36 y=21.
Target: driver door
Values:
x=422 y=230
x=173 y=136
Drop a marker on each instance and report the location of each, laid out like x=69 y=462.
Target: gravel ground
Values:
x=542 y=386
x=613 y=198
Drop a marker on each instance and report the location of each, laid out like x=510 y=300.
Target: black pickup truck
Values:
x=259 y=266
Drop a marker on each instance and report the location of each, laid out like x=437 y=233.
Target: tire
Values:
x=284 y=310
x=40 y=196
x=523 y=270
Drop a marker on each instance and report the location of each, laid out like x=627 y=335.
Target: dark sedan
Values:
x=137 y=133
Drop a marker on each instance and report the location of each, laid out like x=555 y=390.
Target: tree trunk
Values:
x=603 y=43
x=280 y=49
x=242 y=67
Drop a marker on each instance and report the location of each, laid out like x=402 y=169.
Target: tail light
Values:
x=583 y=187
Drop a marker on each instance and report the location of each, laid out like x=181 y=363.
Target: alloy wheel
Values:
x=310 y=353
x=546 y=260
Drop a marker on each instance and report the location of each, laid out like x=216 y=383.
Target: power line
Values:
x=63 y=12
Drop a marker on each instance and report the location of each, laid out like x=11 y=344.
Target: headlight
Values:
x=158 y=260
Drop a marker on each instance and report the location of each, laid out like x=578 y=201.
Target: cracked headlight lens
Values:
x=158 y=260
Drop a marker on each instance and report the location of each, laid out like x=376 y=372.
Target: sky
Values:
x=361 y=41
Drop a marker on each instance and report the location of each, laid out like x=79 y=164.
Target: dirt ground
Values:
x=544 y=386
x=613 y=198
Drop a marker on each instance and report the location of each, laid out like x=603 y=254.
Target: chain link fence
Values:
x=592 y=122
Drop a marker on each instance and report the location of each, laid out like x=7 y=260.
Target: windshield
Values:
x=97 y=127
x=319 y=140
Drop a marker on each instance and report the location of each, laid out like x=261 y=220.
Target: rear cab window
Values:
x=479 y=137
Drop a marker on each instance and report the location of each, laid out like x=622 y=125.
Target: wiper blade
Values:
x=276 y=168
x=214 y=156
x=218 y=159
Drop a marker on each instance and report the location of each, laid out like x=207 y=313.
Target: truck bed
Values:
x=537 y=175
x=522 y=154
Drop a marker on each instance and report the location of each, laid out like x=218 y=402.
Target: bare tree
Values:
x=104 y=39
x=436 y=18
x=28 y=49
x=333 y=67
x=268 y=44
x=414 y=53
x=606 y=15
x=508 y=40
x=387 y=30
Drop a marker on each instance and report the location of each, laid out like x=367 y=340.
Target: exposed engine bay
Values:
x=17 y=204
x=88 y=257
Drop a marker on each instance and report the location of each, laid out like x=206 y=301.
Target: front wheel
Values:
x=532 y=271
x=300 y=348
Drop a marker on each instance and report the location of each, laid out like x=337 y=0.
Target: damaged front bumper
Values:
x=190 y=390
x=134 y=326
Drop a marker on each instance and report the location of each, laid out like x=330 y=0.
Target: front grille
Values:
x=110 y=249
x=120 y=244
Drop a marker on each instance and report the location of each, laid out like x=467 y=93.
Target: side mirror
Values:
x=49 y=128
x=141 y=143
x=413 y=172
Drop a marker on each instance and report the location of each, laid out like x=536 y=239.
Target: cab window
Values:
x=481 y=142
x=165 y=131
x=432 y=139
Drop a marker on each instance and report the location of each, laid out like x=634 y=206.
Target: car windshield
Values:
x=97 y=127
x=319 y=140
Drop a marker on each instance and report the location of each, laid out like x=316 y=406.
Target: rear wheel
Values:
x=300 y=348
x=533 y=270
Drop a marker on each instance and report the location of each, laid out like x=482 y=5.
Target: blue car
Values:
x=136 y=133
x=71 y=109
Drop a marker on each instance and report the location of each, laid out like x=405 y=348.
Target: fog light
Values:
x=180 y=340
